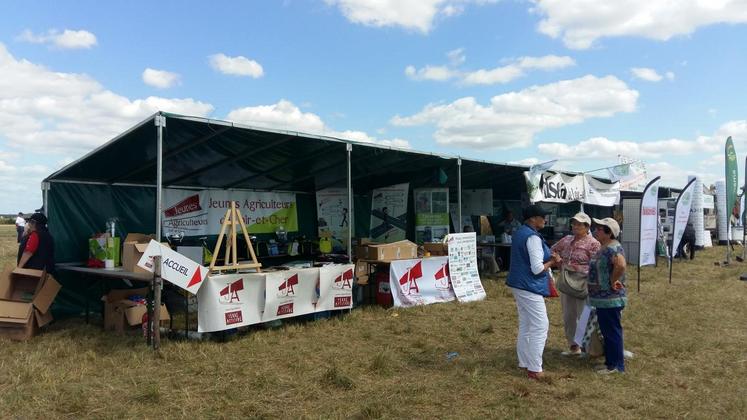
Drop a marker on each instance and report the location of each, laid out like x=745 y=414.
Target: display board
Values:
x=389 y=213
x=431 y=214
x=333 y=215
x=465 y=277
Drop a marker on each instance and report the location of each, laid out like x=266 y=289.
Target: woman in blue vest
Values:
x=528 y=279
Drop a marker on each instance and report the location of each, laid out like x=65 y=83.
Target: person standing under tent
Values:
x=528 y=278
x=37 y=248
x=607 y=292
x=20 y=224
x=688 y=239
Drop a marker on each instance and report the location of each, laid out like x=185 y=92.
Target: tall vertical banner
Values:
x=681 y=215
x=649 y=223
x=389 y=213
x=230 y=301
x=431 y=214
x=649 y=226
x=333 y=215
x=732 y=182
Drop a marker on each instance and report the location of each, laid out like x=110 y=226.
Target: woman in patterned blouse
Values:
x=576 y=251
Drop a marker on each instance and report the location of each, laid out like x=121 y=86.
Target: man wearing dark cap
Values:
x=528 y=278
x=37 y=248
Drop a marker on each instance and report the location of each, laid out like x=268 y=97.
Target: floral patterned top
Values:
x=576 y=253
x=601 y=294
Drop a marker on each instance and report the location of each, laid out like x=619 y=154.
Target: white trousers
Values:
x=533 y=326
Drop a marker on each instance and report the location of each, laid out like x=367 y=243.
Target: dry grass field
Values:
x=689 y=340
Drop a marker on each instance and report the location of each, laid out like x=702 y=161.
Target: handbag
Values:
x=573 y=283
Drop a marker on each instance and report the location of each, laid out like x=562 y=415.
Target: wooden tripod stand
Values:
x=233 y=218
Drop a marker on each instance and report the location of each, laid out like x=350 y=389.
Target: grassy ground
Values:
x=689 y=340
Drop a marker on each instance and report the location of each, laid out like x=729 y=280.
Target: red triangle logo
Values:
x=196 y=278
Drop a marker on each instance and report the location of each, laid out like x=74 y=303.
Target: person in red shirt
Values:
x=37 y=248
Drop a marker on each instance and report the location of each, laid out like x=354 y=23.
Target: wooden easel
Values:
x=233 y=218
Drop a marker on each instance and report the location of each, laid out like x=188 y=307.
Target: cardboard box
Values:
x=120 y=313
x=361 y=272
x=361 y=248
x=436 y=248
x=25 y=298
x=400 y=250
x=133 y=248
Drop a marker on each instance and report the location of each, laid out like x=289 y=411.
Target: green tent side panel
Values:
x=78 y=210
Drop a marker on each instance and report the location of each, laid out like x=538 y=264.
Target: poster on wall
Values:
x=201 y=212
x=389 y=213
x=290 y=293
x=431 y=214
x=477 y=202
x=333 y=215
x=229 y=301
x=465 y=278
x=335 y=287
x=420 y=281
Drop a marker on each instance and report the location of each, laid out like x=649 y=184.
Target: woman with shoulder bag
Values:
x=576 y=251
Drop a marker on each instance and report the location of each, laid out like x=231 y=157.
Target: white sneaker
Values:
x=606 y=371
x=628 y=354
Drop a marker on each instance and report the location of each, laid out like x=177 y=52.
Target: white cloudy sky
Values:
x=507 y=81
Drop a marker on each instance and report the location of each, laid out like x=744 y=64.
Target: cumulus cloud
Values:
x=418 y=15
x=160 y=79
x=645 y=73
x=515 y=69
x=512 y=119
x=236 y=66
x=67 y=39
x=284 y=115
x=435 y=73
x=580 y=23
x=43 y=111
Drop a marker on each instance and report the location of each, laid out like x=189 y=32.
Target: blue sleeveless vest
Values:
x=520 y=274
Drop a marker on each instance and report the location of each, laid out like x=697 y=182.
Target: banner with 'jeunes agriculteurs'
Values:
x=201 y=212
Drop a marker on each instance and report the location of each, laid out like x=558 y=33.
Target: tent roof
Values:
x=206 y=153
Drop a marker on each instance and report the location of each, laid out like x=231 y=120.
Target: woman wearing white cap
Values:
x=607 y=292
x=576 y=251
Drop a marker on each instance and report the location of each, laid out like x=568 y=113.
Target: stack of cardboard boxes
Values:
x=121 y=313
x=25 y=298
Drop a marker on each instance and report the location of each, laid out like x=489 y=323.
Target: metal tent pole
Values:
x=458 y=223
x=45 y=198
x=160 y=121
x=349 y=149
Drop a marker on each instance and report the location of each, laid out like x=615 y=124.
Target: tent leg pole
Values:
x=160 y=121
x=349 y=149
x=458 y=223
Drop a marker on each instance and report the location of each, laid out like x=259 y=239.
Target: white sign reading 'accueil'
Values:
x=175 y=267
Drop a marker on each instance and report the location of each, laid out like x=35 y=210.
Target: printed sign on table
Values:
x=465 y=278
x=290 y=293
x=335 y=287
x=420 y=281
x=230 y=301
x=175 y=267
